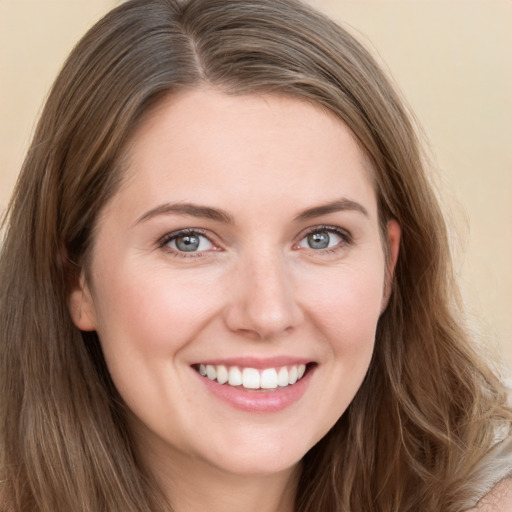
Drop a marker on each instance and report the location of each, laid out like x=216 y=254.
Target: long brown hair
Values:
x=420 y=433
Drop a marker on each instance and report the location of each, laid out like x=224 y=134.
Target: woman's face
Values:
x=244 y=244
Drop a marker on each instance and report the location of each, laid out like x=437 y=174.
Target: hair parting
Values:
x=421 y=431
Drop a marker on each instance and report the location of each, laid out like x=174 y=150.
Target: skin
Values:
x=254 y=289
x=498 y=500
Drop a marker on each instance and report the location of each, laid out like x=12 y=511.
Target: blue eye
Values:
x=188 y=241
x=322 y=239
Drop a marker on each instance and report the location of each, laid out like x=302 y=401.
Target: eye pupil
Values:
x=187 y=243
x=319 y=240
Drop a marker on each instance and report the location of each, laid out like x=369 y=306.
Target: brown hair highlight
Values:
x=420 y=433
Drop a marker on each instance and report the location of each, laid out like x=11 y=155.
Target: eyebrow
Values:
x=339 y=205
x=189 y=209
x=219 y=215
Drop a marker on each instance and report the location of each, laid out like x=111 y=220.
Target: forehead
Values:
x=201 y=141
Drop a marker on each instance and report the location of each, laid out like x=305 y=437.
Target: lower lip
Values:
x=264 y=401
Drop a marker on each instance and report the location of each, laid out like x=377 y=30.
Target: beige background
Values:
x=451 y=58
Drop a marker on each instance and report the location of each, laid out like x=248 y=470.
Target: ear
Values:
x=394 y=233
x=81 y=305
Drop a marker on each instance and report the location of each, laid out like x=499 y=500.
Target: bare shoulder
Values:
x=499 y=499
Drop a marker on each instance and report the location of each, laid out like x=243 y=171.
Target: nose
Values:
x=262 y=300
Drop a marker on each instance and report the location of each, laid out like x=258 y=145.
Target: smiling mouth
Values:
x=252 y=378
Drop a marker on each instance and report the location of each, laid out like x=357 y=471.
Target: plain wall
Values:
x=452 y=60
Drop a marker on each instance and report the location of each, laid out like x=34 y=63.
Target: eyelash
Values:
x=169 y=237
x=345 y=236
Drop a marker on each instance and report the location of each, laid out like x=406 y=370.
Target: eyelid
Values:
x=344 y=234
x=162 y=242
x=173 y=235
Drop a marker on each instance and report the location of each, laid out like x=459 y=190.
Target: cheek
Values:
x=345 y=312
x=346 y=307
x=146 y=317
x=153 y=311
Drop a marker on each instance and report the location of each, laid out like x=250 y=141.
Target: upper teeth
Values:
x=251 y=378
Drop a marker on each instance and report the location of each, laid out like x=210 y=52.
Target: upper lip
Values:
x=256 y=362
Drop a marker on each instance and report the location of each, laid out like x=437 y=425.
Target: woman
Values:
x=226 y=282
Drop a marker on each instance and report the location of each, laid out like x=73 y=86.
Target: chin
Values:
x=264 y=456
